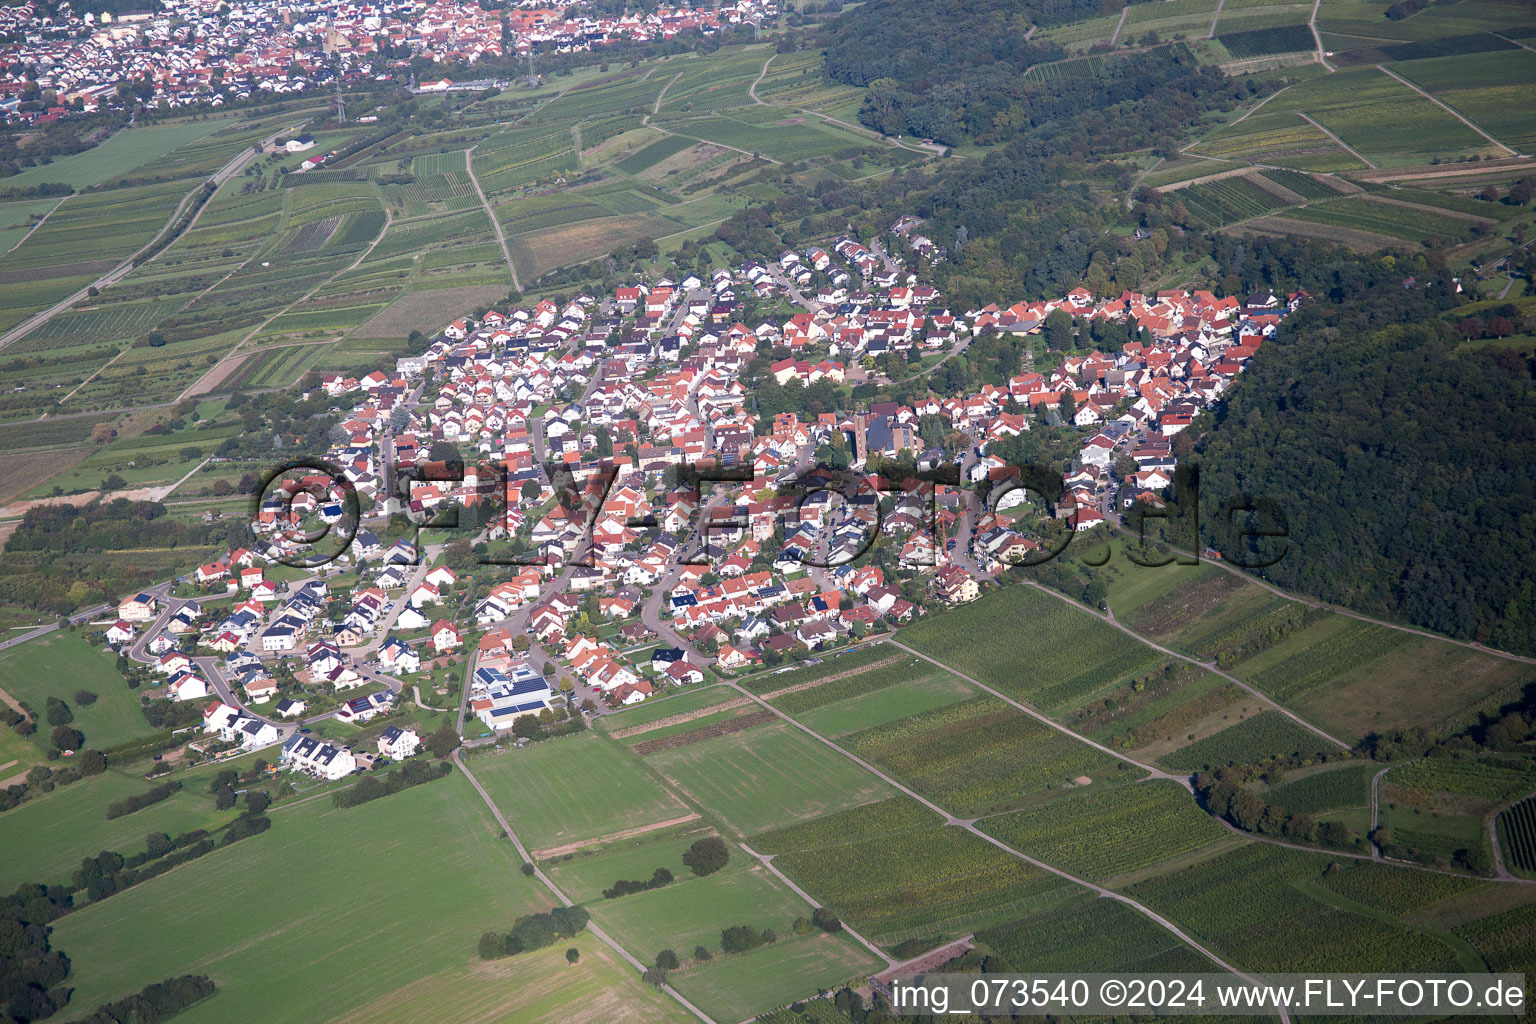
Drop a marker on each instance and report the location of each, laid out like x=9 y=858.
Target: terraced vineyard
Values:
x=1228 y=201
x=1517 y=829
x=1492 y=780
x=1262 y=42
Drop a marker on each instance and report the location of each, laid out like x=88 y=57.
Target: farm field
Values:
x=44 y=839
x=768 y=776
x=920 y=881
x=1337 y=786
x=539 y=986
x=1517 y=836
x=1064 y=657
x=59 y=664
x=1386 y=121
x=456 y=881
x=1333 y=670
x=1100 y=835
x=980 y=756
x=1087 y=934
x=1485 y=87
x=744 y=984
x=888 y=704
x=126 y=151
x=1338 y=921
x=1264 y=735
x=572 y=789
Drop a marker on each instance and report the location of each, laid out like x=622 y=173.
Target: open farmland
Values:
x=1270 y=908
x=1088 y=934
x=44 y=839
x=1264 y=735
x=58 y=665
x=599 y=989
x=438 y=839
x=920 y=881
x=1102 y=834
x=1065 y=656
x=980 y=756
x=579 y=788
x=1337 y=787
x=765 y=777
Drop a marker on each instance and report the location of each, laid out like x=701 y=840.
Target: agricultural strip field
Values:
x=1264 y=735
x=1087 y=934
x=126 y=151
x=1381 y=118
x=599 y=989
x=574 y=789
x=765 y=777
x=1335 y=916
x=787 y=143
x=1517 y=836
x=1348 y=676
x=916 y=881
x=1263 y=42
x=1338 y=787
x=981 y=756
x=1102 y=834
x=452 y=880
x=1492 y=89
x=1062 y=658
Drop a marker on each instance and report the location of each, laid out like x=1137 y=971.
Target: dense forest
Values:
x=954 y=71
x=1406 y=469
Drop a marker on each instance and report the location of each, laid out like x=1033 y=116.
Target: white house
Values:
x=397 y=743
x=308 y=754
x=138 y=608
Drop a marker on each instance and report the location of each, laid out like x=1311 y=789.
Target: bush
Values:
x=85 y=698
x=706 y=856
x=741 y=937
x=65 y=738
x=57 y=712
x=130 y=804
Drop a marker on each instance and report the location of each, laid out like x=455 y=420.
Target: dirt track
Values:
x=832 y=678
x=629 y=833
x=687 y=716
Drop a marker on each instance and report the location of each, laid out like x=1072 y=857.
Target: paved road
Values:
x=117 y=273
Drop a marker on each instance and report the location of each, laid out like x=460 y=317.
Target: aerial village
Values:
x=215 y=52
x=634 y=526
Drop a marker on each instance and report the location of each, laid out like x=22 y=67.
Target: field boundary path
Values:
x=766 y=860
x=1448 y=109
x=1317 y=38
x=121 y=271
x=1338 y=610
x=39 y=223
x=1346 y=147
x=1214 y=18
x=1115 y=35
x=565 y=900
x=752 y=89
x=485 y=204
x=969 y=826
